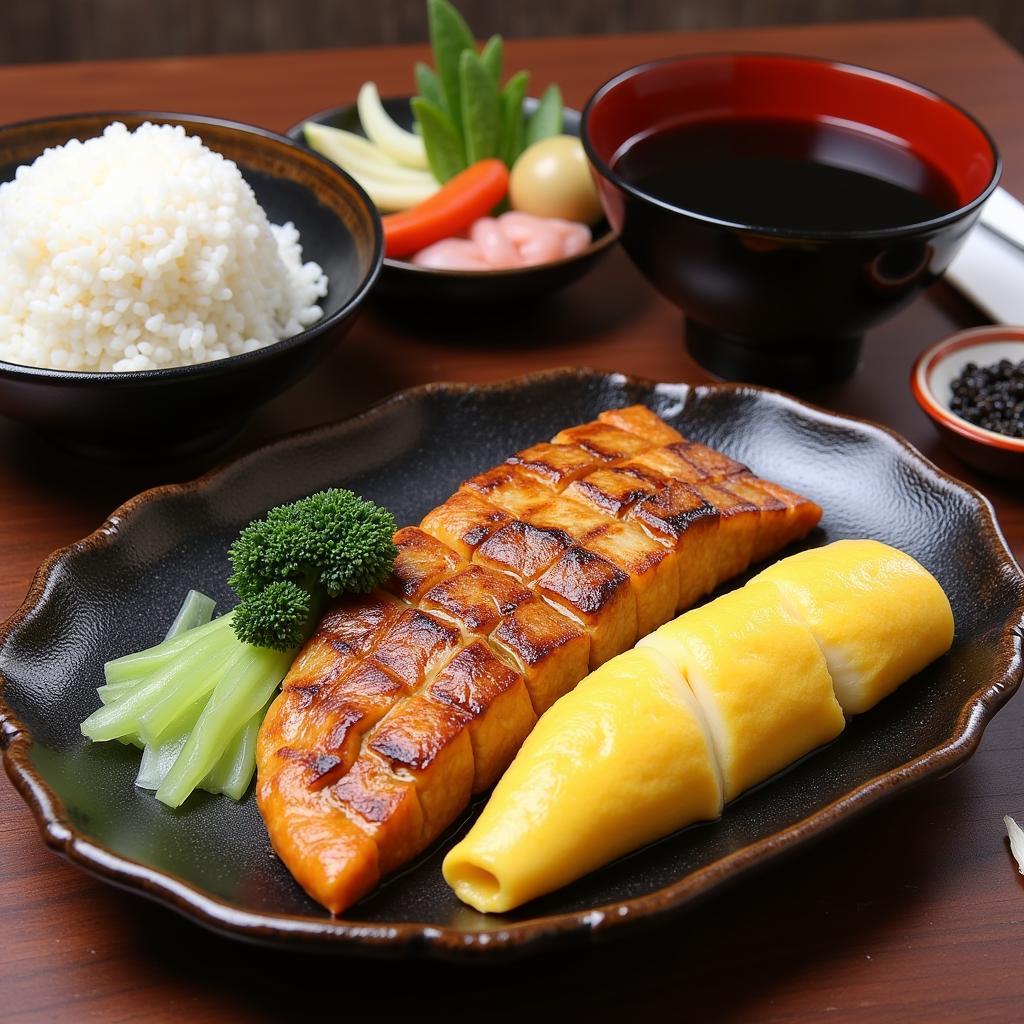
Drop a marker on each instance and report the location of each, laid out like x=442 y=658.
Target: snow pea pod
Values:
x=445 y=152
x=493 y=57
x=513 y=124
x=481 y=109
x=547 y=119
x=427 y=85
x=450 y=35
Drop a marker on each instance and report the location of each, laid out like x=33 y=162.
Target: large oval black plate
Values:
x=117 y=590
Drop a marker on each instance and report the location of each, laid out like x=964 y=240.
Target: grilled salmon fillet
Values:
x=407 y=701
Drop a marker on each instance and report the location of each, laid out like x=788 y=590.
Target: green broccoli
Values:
x=195 y=701
x=330 y=543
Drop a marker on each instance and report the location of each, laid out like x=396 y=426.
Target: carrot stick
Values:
x=472 y=193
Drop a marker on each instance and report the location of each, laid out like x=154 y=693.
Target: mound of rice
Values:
x=139 y=250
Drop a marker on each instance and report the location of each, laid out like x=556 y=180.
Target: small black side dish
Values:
x=401 y=279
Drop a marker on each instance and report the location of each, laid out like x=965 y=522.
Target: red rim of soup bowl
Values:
x=940 y=413
x=675 y=91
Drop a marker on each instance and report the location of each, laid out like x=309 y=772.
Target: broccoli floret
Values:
x=286 y=564
x=274 y=617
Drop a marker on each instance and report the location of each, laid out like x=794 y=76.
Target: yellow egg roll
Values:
x=707 y=706
x=622 y=760
x=759 y=678
x=877 y=614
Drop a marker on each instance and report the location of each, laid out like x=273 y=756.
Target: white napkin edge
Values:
x=989 y=269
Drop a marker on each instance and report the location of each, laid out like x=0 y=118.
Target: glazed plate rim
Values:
x=507 y=939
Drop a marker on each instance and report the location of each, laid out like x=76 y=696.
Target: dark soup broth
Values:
x=787 y=175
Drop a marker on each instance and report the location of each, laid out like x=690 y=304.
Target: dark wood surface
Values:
x=37 y=30
x=912 y=913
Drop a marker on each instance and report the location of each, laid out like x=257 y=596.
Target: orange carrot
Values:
x=472 y=193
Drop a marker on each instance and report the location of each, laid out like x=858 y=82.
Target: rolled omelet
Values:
x=759 y=678
x=709 y=705
x=877 y=614
x=623 y=760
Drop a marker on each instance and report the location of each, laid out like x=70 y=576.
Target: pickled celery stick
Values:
x=121 y=717
x=236 y=698
x=196 y=610
x=187 y=686
x=199 y=697
x=218 y=774
x=232 y=774
x=110 y=692
x=244 y=765
x=133 y=666
x=158 y=757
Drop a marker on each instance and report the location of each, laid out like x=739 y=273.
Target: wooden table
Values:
x=913 y=913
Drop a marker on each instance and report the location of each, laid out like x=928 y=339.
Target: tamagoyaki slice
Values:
x=760 y=680
x=878 y=615
x=618 y=762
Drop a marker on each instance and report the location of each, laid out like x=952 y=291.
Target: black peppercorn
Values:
x=991 y=397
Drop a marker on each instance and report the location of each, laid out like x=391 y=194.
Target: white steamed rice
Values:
x=140 y=250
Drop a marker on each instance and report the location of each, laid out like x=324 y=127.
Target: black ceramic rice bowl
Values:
x=182 y=410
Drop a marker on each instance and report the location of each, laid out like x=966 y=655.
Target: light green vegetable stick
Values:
x=235 y=700
x=232 y=774
x=158 y=757
x=195 y=610
x=134 y=666
x=184 y=691
x=193 y=666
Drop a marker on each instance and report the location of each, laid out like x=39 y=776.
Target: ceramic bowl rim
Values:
x=821 y=237
x=524 y=937
x=20 y=371
x=921 y=385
